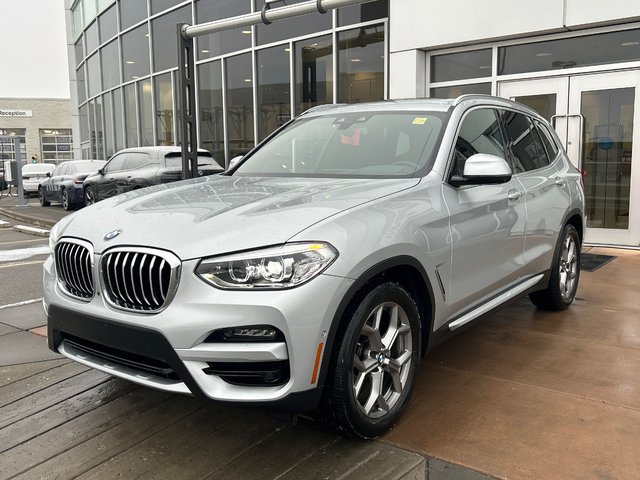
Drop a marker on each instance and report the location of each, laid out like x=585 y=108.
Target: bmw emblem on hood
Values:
x=112 y=234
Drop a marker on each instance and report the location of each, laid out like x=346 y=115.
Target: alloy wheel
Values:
x=568 y=267
x=382 y=360
x=88 y=197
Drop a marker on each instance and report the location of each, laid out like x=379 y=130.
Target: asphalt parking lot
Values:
x=521 y=394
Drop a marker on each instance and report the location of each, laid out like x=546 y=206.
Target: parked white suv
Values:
x=321 y=268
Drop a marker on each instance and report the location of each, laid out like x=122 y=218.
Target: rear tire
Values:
x=564 y=276
x=377 y=358
x=43 y=201
x=66 y=203
x=89 y=196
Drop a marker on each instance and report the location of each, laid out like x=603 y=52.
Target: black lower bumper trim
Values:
x=143 y=343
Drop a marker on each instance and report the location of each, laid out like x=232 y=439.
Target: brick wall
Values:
x=46 y=114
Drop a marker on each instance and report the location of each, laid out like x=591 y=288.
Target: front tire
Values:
x=564 y=276
x=375 y=368
x=43 y=201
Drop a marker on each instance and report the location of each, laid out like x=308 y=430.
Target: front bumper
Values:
x=169 y=351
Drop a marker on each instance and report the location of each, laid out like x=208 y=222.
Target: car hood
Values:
x=213 y=215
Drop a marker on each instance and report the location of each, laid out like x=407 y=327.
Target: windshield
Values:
x=363 y=144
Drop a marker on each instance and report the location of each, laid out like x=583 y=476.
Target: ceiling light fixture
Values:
x=355 y=60
x=630 y=44
x=246 y=32
x=204 y=51
x=545 y=54
x=130 y=62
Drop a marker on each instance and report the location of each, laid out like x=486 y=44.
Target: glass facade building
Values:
x=249 y=80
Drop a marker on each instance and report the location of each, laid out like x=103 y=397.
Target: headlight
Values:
x=53 y=238
x=269 y=268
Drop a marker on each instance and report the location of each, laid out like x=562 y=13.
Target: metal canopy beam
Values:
x=186 y=59
x=267 y=16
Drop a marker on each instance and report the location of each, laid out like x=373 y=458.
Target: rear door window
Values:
x=60 y=170
x=524 y=142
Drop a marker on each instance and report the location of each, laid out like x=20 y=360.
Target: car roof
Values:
x=80 y=162
x=38 y=166
x=161 y=150
x=418 y=105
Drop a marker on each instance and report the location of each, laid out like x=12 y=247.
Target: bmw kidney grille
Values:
x=75 y=274
x=139 y=279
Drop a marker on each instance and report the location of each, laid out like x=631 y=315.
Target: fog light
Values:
x=252 y=333
x=248 y=333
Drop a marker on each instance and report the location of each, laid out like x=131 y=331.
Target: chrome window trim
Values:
x=89 y=247
x=174 y=262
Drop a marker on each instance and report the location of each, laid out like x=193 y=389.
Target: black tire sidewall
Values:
x=89 y=192
x=554 y=279
x=358 y=423
x=42 y=199
x=65 y=204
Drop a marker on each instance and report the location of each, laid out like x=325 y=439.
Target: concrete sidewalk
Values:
x=529 y=394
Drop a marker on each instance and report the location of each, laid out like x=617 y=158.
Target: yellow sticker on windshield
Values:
x=419 y=121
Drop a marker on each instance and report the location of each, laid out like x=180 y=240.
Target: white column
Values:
x=407 y=74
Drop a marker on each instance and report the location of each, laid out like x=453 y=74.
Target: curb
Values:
x=41 y=222
x=31 y=230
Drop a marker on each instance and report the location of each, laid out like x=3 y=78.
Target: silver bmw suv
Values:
x=314 y=274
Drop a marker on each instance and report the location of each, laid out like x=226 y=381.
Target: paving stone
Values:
x=24 y=317
x=59 y=414
x=14 y=373
x=440 y=470
x=4 y=329
x=24 y=347
x=42 y=331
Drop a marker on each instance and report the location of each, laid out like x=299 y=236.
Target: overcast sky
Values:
x=34 y=48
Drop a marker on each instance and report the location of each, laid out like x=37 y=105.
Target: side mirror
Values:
x=483 y=169
x=101 y=171
x=48 y=174
x=235 y=161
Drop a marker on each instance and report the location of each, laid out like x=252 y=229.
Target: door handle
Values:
x=560 y=182
x=514 y=195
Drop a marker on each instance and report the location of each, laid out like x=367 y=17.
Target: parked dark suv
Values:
x=141 y=167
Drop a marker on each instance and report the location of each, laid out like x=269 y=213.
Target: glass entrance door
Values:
x=594 y=116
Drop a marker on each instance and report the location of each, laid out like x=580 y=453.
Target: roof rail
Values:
x=324 y=106
x=469 y=96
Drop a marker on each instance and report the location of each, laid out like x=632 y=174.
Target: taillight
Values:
x=78 y=181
